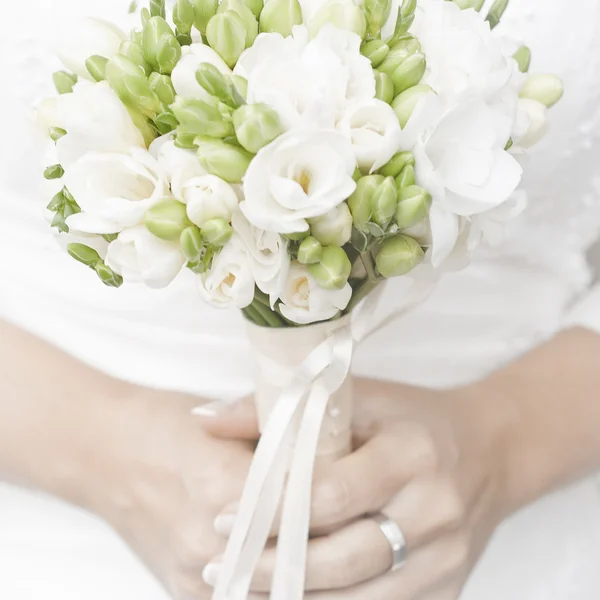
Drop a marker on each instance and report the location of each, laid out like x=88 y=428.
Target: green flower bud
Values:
x=186 y=141
x=280 y=16
x=131 y=85
x=383 y=202
x=218 y=85
x=192 y=245
x=406 y=178
x=375 y=51
x=547 y=89
x=333 y=228
x=397 y=163
x=360 y=201
x=466 y=4
x=398 y=256
x=136 y=54
x=145 y=15
x=147 y=130
x=96 y=66
x=183 y=16
x=256 y=125
x=157 y=8
x=255 y=6
x=343 y=15
x=406 y=16
x=56 y=133
x=57 y=202
x=413 y=206
x=226 y=33
x=217 y=232
x=310 y=251
x=161 y=48
x=250 y=22
x=224 y=160
x=241 y=86
x=377 y=13
x=166 y=122
x=204 y=11
x=523 y=58
x=162 y=86
x=54 y=172
x=405 y=103
x=399 y=51
x=64 y=82
x=133 y=6
x=84 y=254
x=196 y=116
x=167 y=219
x=333 y=270
x=409 y=73
x=496 y=12
x=108 y=276
x=384 y=88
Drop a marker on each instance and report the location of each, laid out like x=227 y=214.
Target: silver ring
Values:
x=395 y=537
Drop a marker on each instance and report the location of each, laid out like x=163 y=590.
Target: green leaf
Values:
x=359 y=240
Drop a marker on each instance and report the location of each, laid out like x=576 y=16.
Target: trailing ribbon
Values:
x=288 y=449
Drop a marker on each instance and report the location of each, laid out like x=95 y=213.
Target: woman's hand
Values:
x=430 y=461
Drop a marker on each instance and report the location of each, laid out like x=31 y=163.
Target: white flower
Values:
x=184 y=74
x=304 y=302
x=302 y=174
x=90 y=37
x=208 y=197
x=374 y=131
x=229 y=282
x=95 y=121
x=268 y=255
x=309 y=84
x=114 y=190
x=531 y=124
x=137 y=255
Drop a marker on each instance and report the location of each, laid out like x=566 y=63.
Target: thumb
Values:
x=232 y=420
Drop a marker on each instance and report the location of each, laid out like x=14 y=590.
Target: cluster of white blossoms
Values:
x=293 y=153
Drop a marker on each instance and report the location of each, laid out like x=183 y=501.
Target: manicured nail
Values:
x=224 y=524
x=210 y=574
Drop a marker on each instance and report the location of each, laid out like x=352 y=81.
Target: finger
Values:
x=231 y=420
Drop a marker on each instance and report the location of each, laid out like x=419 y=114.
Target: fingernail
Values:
x=214 y=409
x=224 y=524
x=210 y=574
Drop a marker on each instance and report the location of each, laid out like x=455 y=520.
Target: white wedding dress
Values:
x=509 y=300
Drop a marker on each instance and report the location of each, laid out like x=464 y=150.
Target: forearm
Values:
x=552 y=402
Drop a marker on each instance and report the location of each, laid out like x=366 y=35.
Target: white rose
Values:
x=137 y=255
x=268 y=255
x=229 y=283
x=184 y=74
x=208 y=197
x=531 y=124
x=374 y=131
x=114 y=190
x=301 y=175
x=95 y=121
x=90 y=37
x=304 y=302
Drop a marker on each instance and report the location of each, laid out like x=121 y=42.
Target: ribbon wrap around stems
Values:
x=288 y=447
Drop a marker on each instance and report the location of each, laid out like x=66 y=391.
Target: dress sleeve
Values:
x=587 y=312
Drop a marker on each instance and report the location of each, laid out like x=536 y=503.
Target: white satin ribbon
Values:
x=286 y=448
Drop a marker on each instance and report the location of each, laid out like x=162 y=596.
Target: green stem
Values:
x=361 y=292
x=253 y=316
x=367 y=261
x=271 y=319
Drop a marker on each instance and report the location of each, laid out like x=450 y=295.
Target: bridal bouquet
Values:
x=293 y=155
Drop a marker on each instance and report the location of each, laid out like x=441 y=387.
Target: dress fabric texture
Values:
x=510 y=299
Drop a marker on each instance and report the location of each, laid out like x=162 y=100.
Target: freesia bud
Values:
x=523 y=58
x=183 y=16
x=398 y=256
x=406 y=16
x=397 y=163
x=377 y=13
x=466 y=4
x=84 y=254
x=399 y=51
x=217 y=232
x=496 y=12
x=343 y=14
x=413 y=206
x=64 y=82
x=224 y=160
x=167 y=219
x=256 y=125
x=375 y=51
x=255 y=6
x=204 y=11
x=162 y=86
x=96 y=66
x=360 y=201
x=547 y=89
x=333 y=270
x=334 y=228
x=250 y=22
x=241 y=86
x=157 y=8
x=383 y=202
x=226 y=33
x=196 y=116
x=406 y=177
x=131 y=85
x=136 y=54
x=218 y=85
x=56 y=133
x=310 y=251
x=108 y=276
x=409 y=73
x=186 y=140
x=280 y=16
x=146 y=129
x=191 y=243
x=405 y=103
x=384 y=88
x=161 y=48
x=54 y=172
